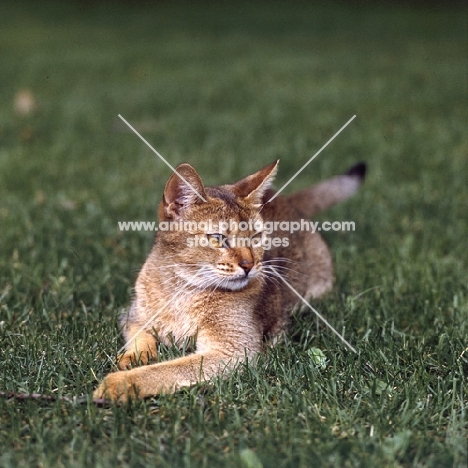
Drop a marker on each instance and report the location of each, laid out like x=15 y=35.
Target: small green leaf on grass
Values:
x=249 y=459
x=318 y=357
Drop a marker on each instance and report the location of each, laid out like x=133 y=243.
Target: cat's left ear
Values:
x=253 y=187
x=183 y=190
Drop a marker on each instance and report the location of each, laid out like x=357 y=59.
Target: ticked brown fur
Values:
x=229 y=296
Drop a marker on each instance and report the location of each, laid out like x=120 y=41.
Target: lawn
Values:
x=230 y=87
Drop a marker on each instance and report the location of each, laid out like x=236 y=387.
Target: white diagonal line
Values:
x=148 y=322
x=312 y=158
x=124 y=347
x=141 y=329
x=321 y=317
x=157 y=154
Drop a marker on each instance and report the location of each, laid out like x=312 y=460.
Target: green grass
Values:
x=229 y=88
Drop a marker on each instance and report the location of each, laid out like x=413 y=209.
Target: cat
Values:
x=222 y=280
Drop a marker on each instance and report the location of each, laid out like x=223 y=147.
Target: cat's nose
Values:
x=246 y=265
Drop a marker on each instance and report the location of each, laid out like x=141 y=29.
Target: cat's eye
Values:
x=218 y=240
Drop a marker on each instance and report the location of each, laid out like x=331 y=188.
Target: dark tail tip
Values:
x=359 y=170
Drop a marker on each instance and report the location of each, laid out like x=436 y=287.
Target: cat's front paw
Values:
x=126 y=361
x=117 y=387
x=129 y=359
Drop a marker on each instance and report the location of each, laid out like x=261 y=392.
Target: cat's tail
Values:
x=329 y=192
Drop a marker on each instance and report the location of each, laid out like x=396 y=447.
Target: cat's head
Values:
x=213 y=236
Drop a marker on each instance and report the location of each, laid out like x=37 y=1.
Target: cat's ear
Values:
x=183 y=190
x=253 y=187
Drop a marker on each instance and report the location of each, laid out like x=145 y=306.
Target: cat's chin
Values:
x=236 y=284
x=227 y=284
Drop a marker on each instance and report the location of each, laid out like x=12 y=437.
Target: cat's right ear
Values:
x=183 y=189
x=253 y=187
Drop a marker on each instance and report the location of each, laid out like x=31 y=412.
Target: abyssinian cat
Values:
x=222 y=278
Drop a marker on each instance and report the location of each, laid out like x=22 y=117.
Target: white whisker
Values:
x=280 y=259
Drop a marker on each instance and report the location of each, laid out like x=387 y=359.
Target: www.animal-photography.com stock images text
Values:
x=233 y=234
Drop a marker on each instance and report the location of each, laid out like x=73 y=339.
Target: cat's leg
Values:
x=211 y=359
x=318 y=267
x=164 y=377
x=140 y=347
